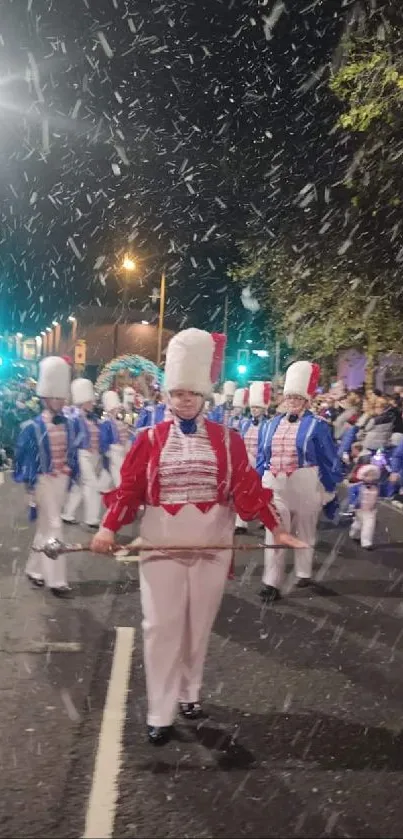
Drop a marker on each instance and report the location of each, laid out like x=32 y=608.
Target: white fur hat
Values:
x=189 y=360
x=82 y=390
x=110 y=400
x=218 y=399
x=301 y=379
x=369 y=473
x=259 y=394
x=54 y=378
x=228 y=389
x=240 y=397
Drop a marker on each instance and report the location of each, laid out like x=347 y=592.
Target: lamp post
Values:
x=56 y=335
x=161 y=317
x=128 y=265
x=73 y=322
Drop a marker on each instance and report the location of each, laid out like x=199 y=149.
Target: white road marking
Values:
x=55 y=647
x=390 y=506
x=101 y=808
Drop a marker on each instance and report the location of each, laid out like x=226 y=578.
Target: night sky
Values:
x=169 y=129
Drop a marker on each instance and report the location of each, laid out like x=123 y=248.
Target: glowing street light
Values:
x=129 y=264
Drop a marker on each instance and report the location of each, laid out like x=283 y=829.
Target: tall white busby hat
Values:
x=82 y=390
x=54 y=378
x=259 y=394
x=228 y=389
x=241 y=397
x=302 y=379
x=218 y=399
x=193 y=361
x=110 y=401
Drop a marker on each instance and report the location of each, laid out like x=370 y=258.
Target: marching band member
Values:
x=363 y=498
x=223 y=409
x=298 y=461
x=239 y=405
x=259 y=400
x=151 y=414
x=115 y=436
x=45 y=461
x=191 y=475
x=87 y=429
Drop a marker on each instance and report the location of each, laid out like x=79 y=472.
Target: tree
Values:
x=318 y=309
x=368 y=81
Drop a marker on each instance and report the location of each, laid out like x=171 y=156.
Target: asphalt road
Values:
x=305 y=701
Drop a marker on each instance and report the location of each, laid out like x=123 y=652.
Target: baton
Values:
x=53 y=548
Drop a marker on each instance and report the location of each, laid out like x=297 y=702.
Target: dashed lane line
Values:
x=101 y=810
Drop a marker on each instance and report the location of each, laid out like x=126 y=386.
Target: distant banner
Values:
x=80 y=352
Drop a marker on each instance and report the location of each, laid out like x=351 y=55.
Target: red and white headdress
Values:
x=194 y=360
x=228 y=389
x=302 y=379
x=259 y=394
x=241 y=397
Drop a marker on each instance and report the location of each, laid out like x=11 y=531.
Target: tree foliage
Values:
x=368 y=82
x=318 y=309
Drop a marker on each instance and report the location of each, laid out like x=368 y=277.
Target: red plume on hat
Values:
x=220 y=341
x=267 y=393
x=314 y=379
x=68 y=359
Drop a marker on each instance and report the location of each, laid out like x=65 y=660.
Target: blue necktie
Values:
x=188 y=426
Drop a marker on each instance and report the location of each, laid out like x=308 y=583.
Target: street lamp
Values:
x=129 y=265
x=56 y=335
x=161 y=317
x=71 y=319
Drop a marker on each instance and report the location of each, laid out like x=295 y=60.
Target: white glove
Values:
x=137 y=544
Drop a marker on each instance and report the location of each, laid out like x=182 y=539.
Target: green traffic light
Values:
x=242 y=369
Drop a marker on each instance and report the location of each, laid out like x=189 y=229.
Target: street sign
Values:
x=80 y=352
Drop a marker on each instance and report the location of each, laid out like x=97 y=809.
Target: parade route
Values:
x=304 y=699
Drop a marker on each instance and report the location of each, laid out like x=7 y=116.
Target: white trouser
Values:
x=116 y=455
x=180 y=599
x=87 y=489
x=298 y=499
x=50 y=493
x=363 y=527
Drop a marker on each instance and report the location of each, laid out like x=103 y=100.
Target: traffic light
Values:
x=243 y=362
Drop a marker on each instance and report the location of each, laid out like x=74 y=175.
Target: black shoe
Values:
x=239 y=530
x=269 y=594
x=92 y=526
x=159 y=735
x=37 y=582
x=69 y=521
x=61 y=591
x=304 y=582
x=191 y=710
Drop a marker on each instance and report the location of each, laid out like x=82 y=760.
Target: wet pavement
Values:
x=304 y=735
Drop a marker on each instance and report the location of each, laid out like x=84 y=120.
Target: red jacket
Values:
x=139 y=483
